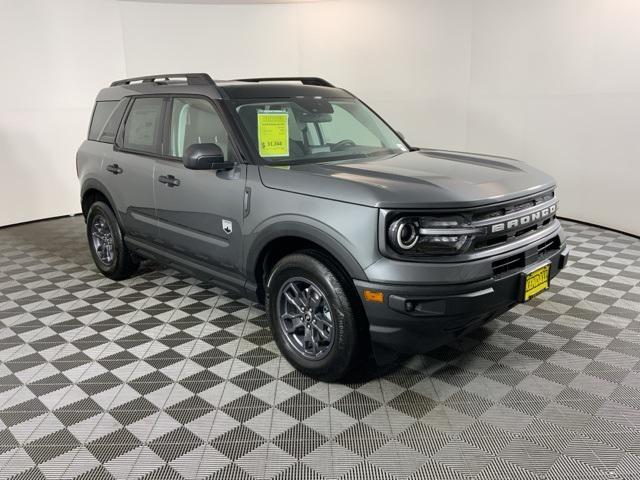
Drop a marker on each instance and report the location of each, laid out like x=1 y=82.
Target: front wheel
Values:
x=108 y=250
x=312 y=317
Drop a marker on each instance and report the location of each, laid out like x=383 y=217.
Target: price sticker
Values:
x=273 y=133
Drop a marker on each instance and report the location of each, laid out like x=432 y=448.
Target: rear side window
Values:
x=143 y=127
x=110 y=129
x=101 y=114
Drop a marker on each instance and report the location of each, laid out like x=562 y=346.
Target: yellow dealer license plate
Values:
x=536 y=282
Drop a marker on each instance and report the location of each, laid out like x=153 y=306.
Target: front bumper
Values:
x=418 y=318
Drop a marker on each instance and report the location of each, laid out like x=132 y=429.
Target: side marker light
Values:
x=371 y=296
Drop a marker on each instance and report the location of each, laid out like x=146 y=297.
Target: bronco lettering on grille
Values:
x=524 y=220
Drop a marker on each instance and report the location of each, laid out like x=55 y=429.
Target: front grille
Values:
x=515 y=207
x=502 y=215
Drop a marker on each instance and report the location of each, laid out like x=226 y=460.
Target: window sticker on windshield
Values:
x=273 y=133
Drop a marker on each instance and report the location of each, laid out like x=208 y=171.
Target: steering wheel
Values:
x=342 y=144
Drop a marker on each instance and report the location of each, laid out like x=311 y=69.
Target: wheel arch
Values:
x=93 y=190
x=283 y=239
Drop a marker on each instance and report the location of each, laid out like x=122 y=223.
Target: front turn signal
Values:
x=372 y=296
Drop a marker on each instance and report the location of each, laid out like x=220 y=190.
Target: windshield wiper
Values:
x=305 y=160
x=385 y=151
x=345 y=156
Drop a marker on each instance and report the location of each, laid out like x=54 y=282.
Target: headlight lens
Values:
x=404 y=233
x=430 y=235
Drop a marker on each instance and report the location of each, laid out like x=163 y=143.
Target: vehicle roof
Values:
x=246 y=90
x=218 y=89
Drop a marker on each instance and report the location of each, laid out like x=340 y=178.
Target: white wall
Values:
x=557 y=83
x=226 y=41
x=408 y=59
x=554 y=82
x=55 y=57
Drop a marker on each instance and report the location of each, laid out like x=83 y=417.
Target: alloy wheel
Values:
x=306 y=318
x=102 y=238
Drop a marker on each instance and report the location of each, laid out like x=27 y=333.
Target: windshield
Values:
x=300 y=130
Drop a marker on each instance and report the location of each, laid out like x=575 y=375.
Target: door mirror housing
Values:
x=205 y=156
x=400 y=134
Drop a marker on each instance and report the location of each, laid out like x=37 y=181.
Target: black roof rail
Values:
x=192 y=79
x=320 y=82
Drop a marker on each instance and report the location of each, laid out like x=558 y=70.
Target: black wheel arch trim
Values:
x=93 y=184
x=307 y=232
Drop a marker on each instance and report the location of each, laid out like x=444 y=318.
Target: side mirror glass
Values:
x=205 y=156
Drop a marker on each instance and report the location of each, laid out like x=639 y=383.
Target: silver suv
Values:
x=297 y=195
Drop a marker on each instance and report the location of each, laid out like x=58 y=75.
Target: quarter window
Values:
x=101 y=113
x=193 y=121
x=110 y=130
x=143 y=126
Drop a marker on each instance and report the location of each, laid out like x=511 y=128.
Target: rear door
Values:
x=200 y=212
x=130 y=170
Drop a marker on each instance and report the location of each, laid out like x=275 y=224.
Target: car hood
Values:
x=416 y=179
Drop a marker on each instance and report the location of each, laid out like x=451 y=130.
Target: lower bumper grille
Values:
x=517 y=261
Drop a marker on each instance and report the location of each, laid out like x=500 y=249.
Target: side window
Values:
x=109 y=131
x=143 y=126
x=101 y=113
x=195 y=120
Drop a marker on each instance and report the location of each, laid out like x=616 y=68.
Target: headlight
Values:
x=430 y=235
x=404 y=233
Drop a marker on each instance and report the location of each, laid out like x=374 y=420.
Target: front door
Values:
x=200 y=212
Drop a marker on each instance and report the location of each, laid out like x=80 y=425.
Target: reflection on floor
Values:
x=165 y=377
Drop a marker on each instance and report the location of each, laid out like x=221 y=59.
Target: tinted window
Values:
x=109 y=131
x=101 y=113
x=195 y=120
x=143 y=126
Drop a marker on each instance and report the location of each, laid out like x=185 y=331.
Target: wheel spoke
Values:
x=293 y=301
x=296 y=301
x=295 y=289
x=304 y=297
x=315 y=299
x=323 y=320
x=296 y=322
x=324 y=334
x=308 y=340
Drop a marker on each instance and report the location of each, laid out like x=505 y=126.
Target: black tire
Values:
x=122 y=265
x=349 y=339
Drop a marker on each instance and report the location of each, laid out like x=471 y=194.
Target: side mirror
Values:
x=205 y=156
x=400 y=134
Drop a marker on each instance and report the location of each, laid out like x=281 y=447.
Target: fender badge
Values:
x=227 y=226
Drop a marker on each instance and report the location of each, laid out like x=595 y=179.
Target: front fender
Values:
x=310 y=229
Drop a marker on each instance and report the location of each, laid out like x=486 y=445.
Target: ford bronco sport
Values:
x=295 y=194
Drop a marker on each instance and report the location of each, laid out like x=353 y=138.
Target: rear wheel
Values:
x=110 y=254
x=312 y=317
